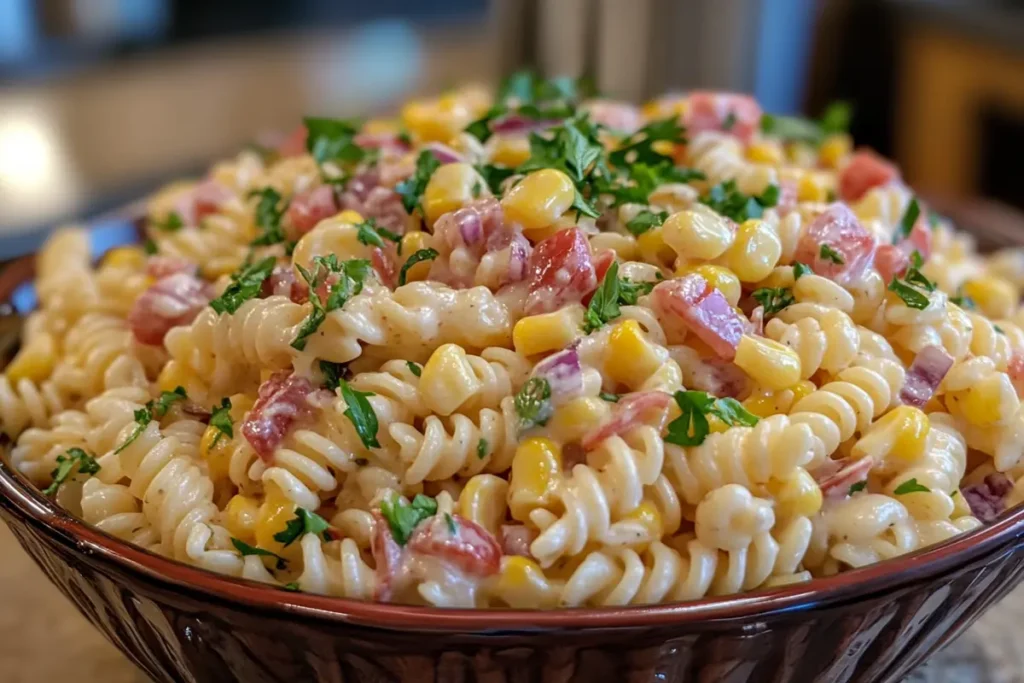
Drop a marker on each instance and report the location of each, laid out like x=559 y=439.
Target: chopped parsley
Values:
x=963 y=301
x=691 y=427
x=998 y=329
x=494 y=175
x=428 y=254
x=481 y=448
x=774 y=299
x=403 y=517
x=413 y=368
x=269 y=210
x=75 y=460
x=333 y=374
x=352 y=274
x=360 y=413
x=645 y=220
x=909 y=288
x=729 y=121
x=613 y=291
x=911 y=486
x=150 y=247
x=574 y=149
x=477 y=189
x=524 y=94
x=829 y=254
x=292 y=586
x=172 y=222
x=411 y=189
x=636 y=183
x=801 y=269
x=726 y=199
x=304 y=522
x=372 y=235
x=834 y=120
x=906 y=225
x=450 y=522
x=638 y=148
x=246 y=550
x=333 y=140
x=610 y=397
x=859 y=486
x=245 y=284
x=152 y=410
x=533 y=403
x=220 y=419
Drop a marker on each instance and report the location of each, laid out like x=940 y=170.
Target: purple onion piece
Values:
x=444 y=153
x=564 y=373
x=925 y=375
x=517 y=123
x=471 y=228
x=987 y=500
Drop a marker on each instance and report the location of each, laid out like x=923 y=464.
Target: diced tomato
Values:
x=207 y=198
x=308 y=208
x=891 y=261
x=865 y=170
x=516 y=539
x=160 y=267
x=559 y=272
x=384 y=264
x=459 y=542
x=835 y=477
x=847 y=240
x=282 y=282
x=704 y=310
x=738 y=115
x=284 y=401
x=387 y=557
x=921 y=238
x=172 y=301
x=631 y=411
x=1016 y=370
x=925 y=375
x=293 y=144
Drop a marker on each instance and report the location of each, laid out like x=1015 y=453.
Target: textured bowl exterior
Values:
x=179 y=623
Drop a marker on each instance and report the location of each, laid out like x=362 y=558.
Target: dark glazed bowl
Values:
x=179 y=623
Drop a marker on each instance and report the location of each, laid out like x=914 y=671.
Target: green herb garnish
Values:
x=726 y=199
x=645 y=220
x=859 y=486
x=304 y=522
x=801 y=269
x=638 y=148
x=774 y=299
x=269 y=210
x=906 y=225
x=421 y=255
x=352 y=274
x=607 y=396
x=829 y=254
x=481 y=448
x=403 y=518
x=911 y=486
x=691 y=427
x=911 y=296
x=333 y=140
x=450 y=521
x=75 y=460
x=245 y=550
x=220 y=419
x=333 y=374
x=172 y=222
x=834 y=120
x=245 y=284
x=373 y=235
x=533 y=403
x=360 y=413
x=413 y=368
x=152 y=410
x=495 y=176
x=150 y=247
x=411 y=189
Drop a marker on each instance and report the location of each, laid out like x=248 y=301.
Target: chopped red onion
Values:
x=925 y=375
x=444 y=153
x=517 y=123
x=988 y=499
x=564 y=373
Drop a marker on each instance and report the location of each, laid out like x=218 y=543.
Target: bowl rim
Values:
x=23 y=502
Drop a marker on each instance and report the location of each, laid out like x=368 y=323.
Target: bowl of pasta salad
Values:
x=524 y=385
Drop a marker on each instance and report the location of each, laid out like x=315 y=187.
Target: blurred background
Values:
x=102 y=100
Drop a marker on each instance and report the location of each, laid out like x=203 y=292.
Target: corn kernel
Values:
x=996 y=297
x=411 y=243
x=652 y=247
x=348 y=216
x=722 y=279
x=547 y=332
x=698 y=233
x=631 y=358
x=802 y=388
x=811 y=189
x=484 y=500
x=522 y=584
x=575 y=418
x=992 y=400
x=961 y=508
x=174 y=375
x=772 y=365
x=34 y=361
x=273 y=517
x=766 y=152
x=448 y=380
x=436 y=120
x=624 y=246
x=537 y=200
x=903 y=429
x=649 y=516
x=834 y=150
x=796 y=495
x=330 y=236
x=536 y=471
x=766 y=404
x=240 y=516
x=215 y=448
x=451 y=187
x=509 y=150
x=125 y=257
x=754 y=252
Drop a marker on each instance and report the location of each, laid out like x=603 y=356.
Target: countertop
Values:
x=46 y=640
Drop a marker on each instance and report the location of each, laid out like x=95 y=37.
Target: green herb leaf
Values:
x=998 y=329
x=477 y=189
x=533 y=403
x=645 y=220
x=801 y=269
x=150 y=247
x=245 y=550
x=245 y=284
x=911 y=297
x=304 y=522
x=333 y=374
x=495 y=176
x=691 y=427
x=75 y=460
x=910 y=217
x=638 y=148
x=829 y=254
x=911 y=486
x=604 y=305
x=411 y=189
x=774 y=299
x=413 y=368
x=152 y=410
x=731 y=412
x=166 y=400
x=836 y=118
x=371 y=234
x=917 y=278
x=403 y=518
x=963 y=301
x=269 y=211
x=353 y=274
x=292 y=586
x=916 y=260
x=421 y=255
x=333 y=140
x=172 y=222
x=859 y=486
x=220 y=419
x=360 y=413
x=606 y=396
x=630 y=291
x=481 y=448
x=143 y=417
x=729 y=121
x=726 y=199
x=450 y=521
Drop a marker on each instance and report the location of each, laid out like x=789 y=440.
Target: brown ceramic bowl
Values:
x=179 y=623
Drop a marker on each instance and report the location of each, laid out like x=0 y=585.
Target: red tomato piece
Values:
x=891 y=261
x=736 y=114
x=631 y=411
x=458 y=542
x=559 y=271
x=293 y=144
x=207 y=198
x=384 y=264
x=282 y=282
x=848 y=241
x=388 y=557
x=172 y=301
x=835 y=477
x=516 y=539
x=704 y=310
x=865 y=170
x=1016 y=370
x=308 y=208
x=284 y=401
x=920 y=239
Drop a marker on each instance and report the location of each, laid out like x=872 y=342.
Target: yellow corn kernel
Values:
x=522 y=584
x=536 y=471
x=992 y=400
x=451 y=187
x=174 y=375
x=781 y=276
x=330 y=236
x=272 y=518
x=698 y=233
x=215 y=448
x=834 y=149
x=547 y=332
x=716 y=425
x=796 y=495
x=448 y=380
x=577 y=417
x=772 y=365
x=802 y=388
x=484 y=500
x=348 y=216
x=722 y=279
x=631 y=358
x=624 y=246
x=240 y=515
x=961 y=508
x=906 y=428
x=411 y=243
x=766 y=152
x=34 y=361
x=133 y=258
x=768 y=403
x=436 y=120
x=811 y=189
x=649 y=516
x=509 y=150
x=754 y=252
x=537 y=200
x=652 y=247
x=995 y=297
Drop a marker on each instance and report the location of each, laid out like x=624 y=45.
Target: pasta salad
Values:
x=530 y=349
